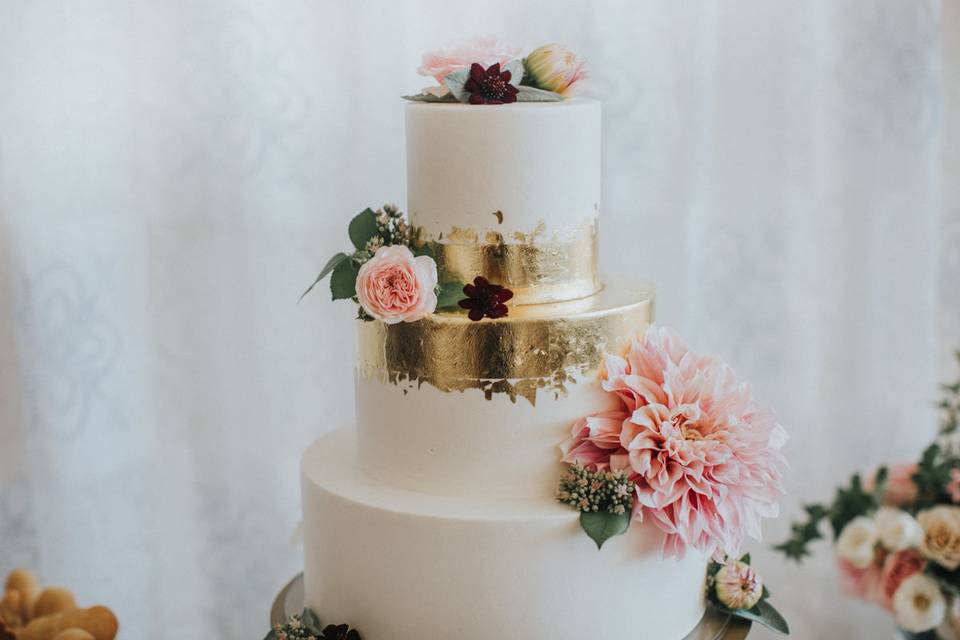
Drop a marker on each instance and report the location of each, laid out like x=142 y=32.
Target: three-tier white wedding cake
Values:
x=437 y=514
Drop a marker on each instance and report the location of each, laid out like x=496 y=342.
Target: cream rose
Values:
x=395 y=286
x=941 y=535
x=918 y=604
x=897 y=529
x=857 y=541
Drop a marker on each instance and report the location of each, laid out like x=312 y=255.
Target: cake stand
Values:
x=713 y=626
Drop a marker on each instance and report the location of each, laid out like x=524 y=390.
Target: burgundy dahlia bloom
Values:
x=339 y=632
x=490 y=85
x=485 y=299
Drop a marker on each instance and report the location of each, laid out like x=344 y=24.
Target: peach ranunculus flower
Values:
x=395 y=286
x=896 y=568
x=460 y=55
x=553 y=67
x=941 y=535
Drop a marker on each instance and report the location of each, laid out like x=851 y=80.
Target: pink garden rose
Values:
x=460 y=55
x=900 y=490
x=896 y=568
x=394 y=286
x=863 y=584
x=704 y=457
x=953 y=488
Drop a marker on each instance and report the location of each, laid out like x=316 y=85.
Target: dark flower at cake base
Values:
x=485 y=299
x=490 y=85
x=339 y=632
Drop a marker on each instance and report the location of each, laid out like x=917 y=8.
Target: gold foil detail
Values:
x=541 y=348
x=537 y=269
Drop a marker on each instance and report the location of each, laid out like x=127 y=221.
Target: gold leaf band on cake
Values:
x=542 y=347
x=537 y=270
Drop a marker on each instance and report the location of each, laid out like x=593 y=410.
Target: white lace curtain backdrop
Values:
x=172 y=175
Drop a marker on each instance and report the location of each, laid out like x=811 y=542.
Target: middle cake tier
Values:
x=447 y=406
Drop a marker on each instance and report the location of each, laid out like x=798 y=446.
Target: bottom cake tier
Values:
x=401 y=565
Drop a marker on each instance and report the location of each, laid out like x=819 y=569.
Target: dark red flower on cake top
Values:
x=490 y=85
x=485 y=299
x=339 y=632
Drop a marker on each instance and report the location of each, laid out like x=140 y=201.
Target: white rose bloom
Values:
x=919 y=604
x=941 y=535
x=897 y=529
x=857 y=541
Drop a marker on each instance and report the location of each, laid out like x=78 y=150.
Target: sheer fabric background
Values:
x=173 y=174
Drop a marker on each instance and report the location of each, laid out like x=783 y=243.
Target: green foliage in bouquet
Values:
x=931 y=478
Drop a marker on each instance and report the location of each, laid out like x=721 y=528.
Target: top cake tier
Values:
x=510 y=192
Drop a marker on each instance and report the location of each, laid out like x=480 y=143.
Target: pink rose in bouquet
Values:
x=896 y=568
x=860 y=583
x=900 y=490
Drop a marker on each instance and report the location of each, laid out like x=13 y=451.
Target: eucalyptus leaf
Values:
x=327 y=268
x=455 y=82
x=601 y=526
x=429 y=97
x=515 y=67
x=764 y=614
x=310 y=620
x=362 y=228
x=343 y=282
x=531 y=94
x=448 y=294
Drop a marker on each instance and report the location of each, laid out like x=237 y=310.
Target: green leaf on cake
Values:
x=429 y=97
x=343 y=281
x=455 y=82
x=515 y=67
x=327 y=269
x=449 y=294
x=362 y=228
x=531 y=94
x=601 y=526
x=310 y=620
x=764 y=614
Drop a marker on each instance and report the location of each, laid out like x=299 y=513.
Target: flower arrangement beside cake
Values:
x=896 y=534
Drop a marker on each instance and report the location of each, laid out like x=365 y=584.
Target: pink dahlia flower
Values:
x=460 y=55
x=395 y=286
x=703 y=456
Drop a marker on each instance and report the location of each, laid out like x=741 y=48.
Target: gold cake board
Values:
x=713 y=626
